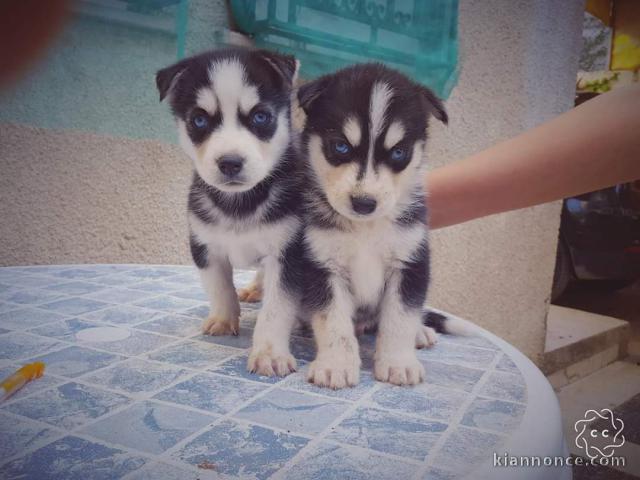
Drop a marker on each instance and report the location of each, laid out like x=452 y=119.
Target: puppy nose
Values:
x=230 y=164
x=363 y=205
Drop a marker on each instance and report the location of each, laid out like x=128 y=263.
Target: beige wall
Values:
x=78 y=197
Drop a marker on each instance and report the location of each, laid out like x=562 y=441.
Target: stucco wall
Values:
x=75 y=196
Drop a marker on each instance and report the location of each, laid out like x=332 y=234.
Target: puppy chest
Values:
x=366 y=274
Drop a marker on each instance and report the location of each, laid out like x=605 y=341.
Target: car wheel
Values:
x=563 y=275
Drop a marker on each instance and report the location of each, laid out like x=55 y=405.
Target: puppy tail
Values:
x=444 y=324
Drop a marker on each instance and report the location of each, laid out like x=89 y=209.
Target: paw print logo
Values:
x=599 y=442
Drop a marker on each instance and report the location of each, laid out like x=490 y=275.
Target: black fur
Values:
x=415 y=278
x=199 y=253
x=435 y=320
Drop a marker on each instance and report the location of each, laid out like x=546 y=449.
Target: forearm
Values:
x=593 y=146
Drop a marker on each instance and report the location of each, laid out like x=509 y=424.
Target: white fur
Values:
x=217 y=281
x=381 y=94
x=352 y=131
x=394 y=134
x=206 y=99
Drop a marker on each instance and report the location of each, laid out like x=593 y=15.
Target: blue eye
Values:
x=398 y=154
x=341 y=147
x=261 y=118
x=200 y=121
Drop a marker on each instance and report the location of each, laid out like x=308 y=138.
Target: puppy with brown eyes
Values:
x=363 y=256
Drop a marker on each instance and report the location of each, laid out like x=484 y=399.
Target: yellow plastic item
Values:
x=15 y=382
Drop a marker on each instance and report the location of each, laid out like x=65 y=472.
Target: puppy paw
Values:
x=337 y=371
x=264 y=362
x=218 y=325
x=399 y=370
x=251 y=294
x=426 y=337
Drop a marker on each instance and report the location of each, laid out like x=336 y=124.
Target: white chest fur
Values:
x=366 y=255
x=246 y=246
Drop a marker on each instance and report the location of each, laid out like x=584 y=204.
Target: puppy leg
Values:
x=426 y=337
x=217 y=280
x=395 y=359
x=270 y=353
x=253 y=292
x=337 y=363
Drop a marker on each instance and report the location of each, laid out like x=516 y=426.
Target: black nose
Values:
x=363 y=205
x=230 y=165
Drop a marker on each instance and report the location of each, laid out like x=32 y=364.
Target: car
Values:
x=599 y=239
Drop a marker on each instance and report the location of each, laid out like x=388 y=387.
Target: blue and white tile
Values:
x=27 y=318
x=46 y=381
x=74 y=361
x=192 y=293
x=147 y=273
x=211 y=393
x=33 y=296
x=298 y=381
x=434 y=473
x=3 y=331
x=32 y=281
x=137 y=376
x=167 y=304
x=466 y=447
x=65 y=329
x=457 y=355
x=74 y=306
x=294 y=411
x=425 y=400
x=124 y=315
x=75 y=288
x=156 y=287
x=16 y=345
x=505 y=386
x=201 y=311
x=122 y=340
x=165 y=471
x=388 y=432
x=237 y=367
x=68 y=406
x=173 y=324
x=84 y=273
x=20 y=434
x=303 y=348
x=242 y=340
x=115 y=280
x=9 y=307
x=149 y=427
x=469 y=340
x=494 y=415
x=119 y=295
x=242 y=451
x=73 y=458
x=194 y=354
x=452 y=376
x=327 y=461
x=505 y=364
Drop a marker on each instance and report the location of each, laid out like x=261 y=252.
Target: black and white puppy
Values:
x=233 y=111
x=364 y=251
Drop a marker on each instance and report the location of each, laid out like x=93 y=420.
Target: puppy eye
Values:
x=200 y=121
x=341 y=148
x=261 y=118
x=398 y=154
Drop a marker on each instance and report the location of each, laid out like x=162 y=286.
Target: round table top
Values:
x=133 y=389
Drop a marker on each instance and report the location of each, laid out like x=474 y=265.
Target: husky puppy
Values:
x=233 y=112
x=364 y=252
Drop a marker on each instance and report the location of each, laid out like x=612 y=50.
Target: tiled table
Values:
x=133 y=390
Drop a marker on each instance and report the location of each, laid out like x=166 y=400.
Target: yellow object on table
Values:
x=15 y=382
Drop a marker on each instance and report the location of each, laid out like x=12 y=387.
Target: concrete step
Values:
x=580 y=343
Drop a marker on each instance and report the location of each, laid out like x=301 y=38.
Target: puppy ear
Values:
x=167 y=77
x=435 y=105
x=285 y=65
x=310 y=91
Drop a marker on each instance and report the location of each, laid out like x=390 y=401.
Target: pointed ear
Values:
x=167 y=77
x=310 y=91
x=285 y=65
x=435 y=105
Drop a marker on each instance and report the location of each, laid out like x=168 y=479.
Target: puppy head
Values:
x=366 y=132
x=232 y=108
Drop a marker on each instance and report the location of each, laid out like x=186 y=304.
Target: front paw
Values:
x=220 y=325
x=426 y=337
x=251 y=294
x=335 y=371
x=265 y=362
x=399 y=370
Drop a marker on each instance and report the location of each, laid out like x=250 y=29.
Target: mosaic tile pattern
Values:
x=133 y=390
